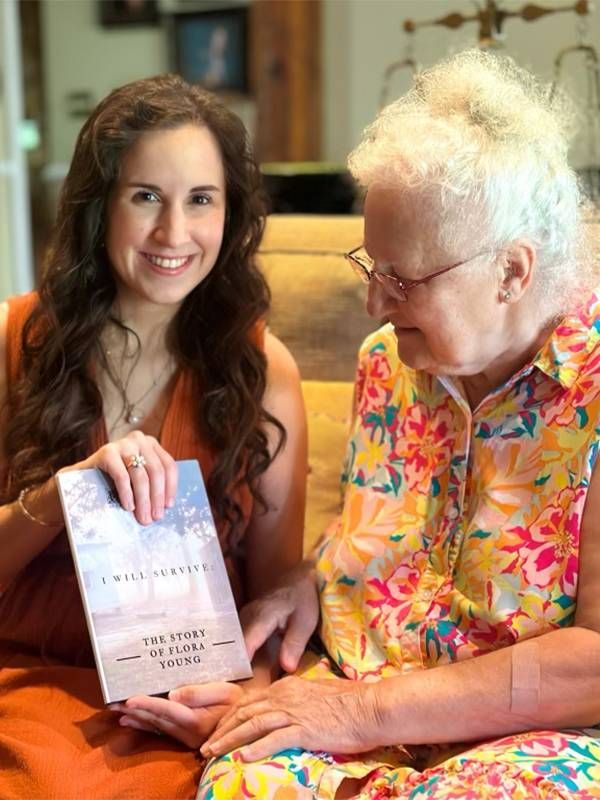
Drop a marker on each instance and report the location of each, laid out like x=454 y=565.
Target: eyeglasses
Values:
x=362 y=264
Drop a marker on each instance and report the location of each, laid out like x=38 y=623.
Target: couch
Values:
x=318 y=310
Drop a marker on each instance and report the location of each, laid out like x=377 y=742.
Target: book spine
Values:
x=84 y=597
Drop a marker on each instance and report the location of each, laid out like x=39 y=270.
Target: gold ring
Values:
x=136 y=461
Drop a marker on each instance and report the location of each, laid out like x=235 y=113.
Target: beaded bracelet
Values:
x=28 y=514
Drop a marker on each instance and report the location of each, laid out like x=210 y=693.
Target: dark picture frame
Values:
x=118 y=13
x=210 y=48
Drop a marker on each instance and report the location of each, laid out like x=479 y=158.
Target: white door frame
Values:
x=13 y=164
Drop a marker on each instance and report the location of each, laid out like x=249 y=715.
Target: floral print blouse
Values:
x=460 y=528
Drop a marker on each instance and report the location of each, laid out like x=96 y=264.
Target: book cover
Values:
x=157 y=598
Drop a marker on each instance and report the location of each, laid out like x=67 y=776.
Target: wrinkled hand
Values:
x=335 y=715
x=291 y=608
x=145 y=490
x=190 y=714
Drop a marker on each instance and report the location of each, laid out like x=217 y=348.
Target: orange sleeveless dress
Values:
x=57 y=740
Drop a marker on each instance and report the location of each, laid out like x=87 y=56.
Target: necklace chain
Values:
x=131 y=412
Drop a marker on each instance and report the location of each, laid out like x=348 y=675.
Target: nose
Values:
x=172 y=226
x=379 y=302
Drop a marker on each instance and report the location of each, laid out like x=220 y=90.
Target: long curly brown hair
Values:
x=56 y=403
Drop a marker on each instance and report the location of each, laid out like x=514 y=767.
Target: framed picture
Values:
x=210 y=48
x=128 y=12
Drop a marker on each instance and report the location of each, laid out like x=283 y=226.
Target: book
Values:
x=157 y=598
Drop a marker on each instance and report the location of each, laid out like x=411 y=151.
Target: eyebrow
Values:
x=154 y=188
x=390 y=265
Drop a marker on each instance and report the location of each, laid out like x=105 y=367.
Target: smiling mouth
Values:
x=167 y=263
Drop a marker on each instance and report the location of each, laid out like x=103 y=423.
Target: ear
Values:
x=516 y=268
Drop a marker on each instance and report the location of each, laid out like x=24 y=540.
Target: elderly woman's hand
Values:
x=291 y=608
x=335 y=715
x=190 y=714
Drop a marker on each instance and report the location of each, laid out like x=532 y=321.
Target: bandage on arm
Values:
x=526 y=678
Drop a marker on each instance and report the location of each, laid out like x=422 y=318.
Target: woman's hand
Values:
x=146 y=489
x=334 y=715
x=292 y=608
x=190 y=714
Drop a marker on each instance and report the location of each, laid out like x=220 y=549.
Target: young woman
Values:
x=145 y=344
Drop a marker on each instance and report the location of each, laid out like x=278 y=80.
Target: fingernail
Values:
x=170 y=502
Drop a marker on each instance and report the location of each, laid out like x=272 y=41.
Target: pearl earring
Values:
x=506 y=296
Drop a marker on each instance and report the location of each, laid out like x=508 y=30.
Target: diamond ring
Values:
x=136 y=461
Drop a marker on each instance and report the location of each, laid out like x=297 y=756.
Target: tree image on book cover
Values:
x=157 y=598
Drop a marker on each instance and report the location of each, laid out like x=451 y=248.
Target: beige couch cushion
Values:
x=328 y=410
x=318 y=310
x=318 y=306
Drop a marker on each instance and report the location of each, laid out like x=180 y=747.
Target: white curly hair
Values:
x=482 y=140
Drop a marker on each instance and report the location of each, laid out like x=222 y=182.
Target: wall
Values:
x=361 y=37
x=80 y=55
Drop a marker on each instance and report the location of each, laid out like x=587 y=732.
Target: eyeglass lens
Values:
x=360 y=269
x=391 y=285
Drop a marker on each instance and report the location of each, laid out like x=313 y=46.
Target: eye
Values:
x=145 y=196
x=200 y=199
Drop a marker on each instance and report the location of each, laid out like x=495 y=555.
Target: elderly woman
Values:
x=460 y=588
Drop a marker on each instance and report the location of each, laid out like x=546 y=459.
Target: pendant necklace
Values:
x=132 y=411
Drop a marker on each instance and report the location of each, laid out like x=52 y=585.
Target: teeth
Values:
x=167 y=263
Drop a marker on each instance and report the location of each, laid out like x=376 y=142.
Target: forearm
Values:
x=21 y=539
x=478 y=698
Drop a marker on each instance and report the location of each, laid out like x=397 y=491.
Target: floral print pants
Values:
x=542 y=764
